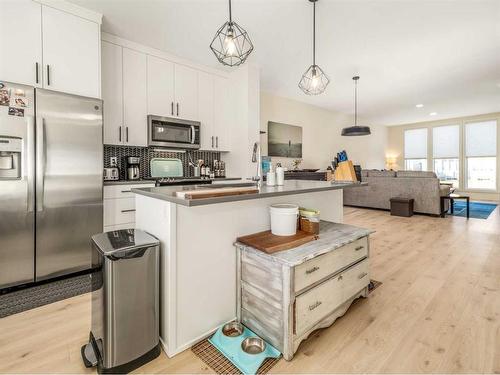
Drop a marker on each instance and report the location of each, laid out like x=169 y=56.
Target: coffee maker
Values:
x=133 y=172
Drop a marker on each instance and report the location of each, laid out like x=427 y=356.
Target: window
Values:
x=416 y=149
x=446 y=152
x=480 y=155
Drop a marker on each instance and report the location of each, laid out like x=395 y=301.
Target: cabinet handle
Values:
x=362 y=275
x=177 y=109
x=124 y=211
x=311 y=270
x=120 y=133
x=172 y=108
x=340 y=277
x=48 y=75
x=126 y=191
x=212 y=141
x=314 y=305
x=36 y=72
x=126 y=133
x=217 y=142
x=359 y=248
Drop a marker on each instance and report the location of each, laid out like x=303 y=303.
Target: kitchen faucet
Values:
x=256 y=159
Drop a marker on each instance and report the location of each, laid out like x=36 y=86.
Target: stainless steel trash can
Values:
x=125 y=301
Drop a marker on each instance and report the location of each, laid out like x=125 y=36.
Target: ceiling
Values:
x=444 y=54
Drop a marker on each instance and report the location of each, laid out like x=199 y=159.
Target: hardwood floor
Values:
x=437 y=311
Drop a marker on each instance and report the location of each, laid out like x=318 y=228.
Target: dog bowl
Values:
x=253 y=345
x=233 y=329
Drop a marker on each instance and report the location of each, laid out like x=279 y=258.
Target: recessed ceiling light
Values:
x=433 y=114
x=419 y=105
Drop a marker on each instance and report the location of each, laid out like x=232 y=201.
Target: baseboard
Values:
x=189 y=344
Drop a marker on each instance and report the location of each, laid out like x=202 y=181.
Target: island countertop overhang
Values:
x=291 y=187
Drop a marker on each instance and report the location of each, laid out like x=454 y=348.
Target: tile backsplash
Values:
x=147 y=153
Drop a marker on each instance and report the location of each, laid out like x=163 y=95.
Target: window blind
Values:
x=481 y=139
x=416 y=144
x=446 y=141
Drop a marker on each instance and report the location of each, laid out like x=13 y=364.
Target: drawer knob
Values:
x=362 y=275
x=314 y=305
x=311 y=270
x=340 y=277
x=359 y=248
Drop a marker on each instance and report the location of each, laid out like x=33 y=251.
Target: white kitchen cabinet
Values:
x=21 y=42
x=213 y=112
x=161 y=100
x=221 y=114
x=70 y=52
x=186 y=92
x=135 y=105
x=206 y=109
x=112 y=92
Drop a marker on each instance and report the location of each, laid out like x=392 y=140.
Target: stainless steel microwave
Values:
x=173 y=132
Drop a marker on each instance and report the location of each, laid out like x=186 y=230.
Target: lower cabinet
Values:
x=119 y=206
x=285 y=301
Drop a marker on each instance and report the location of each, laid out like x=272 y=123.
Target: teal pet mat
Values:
x=230 y=347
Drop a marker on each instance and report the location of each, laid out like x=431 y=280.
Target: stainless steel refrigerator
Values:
x=51 y=166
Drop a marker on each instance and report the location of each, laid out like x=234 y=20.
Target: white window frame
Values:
x=459 y=157
x=427 y=147
x=465 y=157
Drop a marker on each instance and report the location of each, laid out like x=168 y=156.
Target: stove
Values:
x=172 y=181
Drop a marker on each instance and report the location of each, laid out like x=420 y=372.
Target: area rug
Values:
x=220 y=364
x=40 y=295
x=478 y=210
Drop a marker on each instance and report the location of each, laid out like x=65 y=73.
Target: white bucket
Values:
x=284 y=219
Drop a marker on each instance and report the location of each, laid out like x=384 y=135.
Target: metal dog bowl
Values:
x=233 y=329
x=253 y=345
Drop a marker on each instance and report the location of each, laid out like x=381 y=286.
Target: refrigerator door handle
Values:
x=40 y=163
x=30 y=158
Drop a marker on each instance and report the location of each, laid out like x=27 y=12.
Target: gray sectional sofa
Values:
x=423 y=187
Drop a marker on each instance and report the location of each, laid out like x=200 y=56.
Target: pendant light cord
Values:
x=356 y=102
x=230 y=15
x=314 y=33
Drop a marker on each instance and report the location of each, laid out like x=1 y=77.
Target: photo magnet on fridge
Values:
x=20 y=102
x=4 y=97
x=16 y=112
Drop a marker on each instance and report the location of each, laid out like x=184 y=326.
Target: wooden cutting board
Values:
x=269 y=243
x=219 y=192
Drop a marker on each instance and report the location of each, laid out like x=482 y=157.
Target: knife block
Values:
x=345 y=172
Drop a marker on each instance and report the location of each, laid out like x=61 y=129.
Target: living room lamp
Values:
x=356 y=129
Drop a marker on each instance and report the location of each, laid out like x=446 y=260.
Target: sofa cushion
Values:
x=416 y=174
x=377 y=173
x=444 y=190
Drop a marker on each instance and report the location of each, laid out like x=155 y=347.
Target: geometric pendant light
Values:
x=231 y=44
x=356 y=129
x=314 y=80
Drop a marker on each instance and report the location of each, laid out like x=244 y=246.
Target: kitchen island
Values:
x=198 y=267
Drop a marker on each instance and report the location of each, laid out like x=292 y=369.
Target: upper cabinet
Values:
x=50 y=48
x=213 y=110
x=161 y=95
x=70 y=53
x=124 y=93
x=172 y=89
x=186 y=92
x=21 y=43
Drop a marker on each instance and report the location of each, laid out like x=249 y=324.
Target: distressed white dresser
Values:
x=285 y=296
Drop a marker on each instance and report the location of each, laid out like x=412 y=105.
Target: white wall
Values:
x=321 y=134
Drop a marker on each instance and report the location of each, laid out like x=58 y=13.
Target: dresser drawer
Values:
x=123 y=191
x=323 y=299
x=119 y=211
x=320 y=267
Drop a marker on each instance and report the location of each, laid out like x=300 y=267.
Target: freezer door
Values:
x=17 y=240
x=68 y=181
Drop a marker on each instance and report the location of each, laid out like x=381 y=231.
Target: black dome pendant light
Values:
x=314 y=80
x=356 y=130
x=231 y=43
